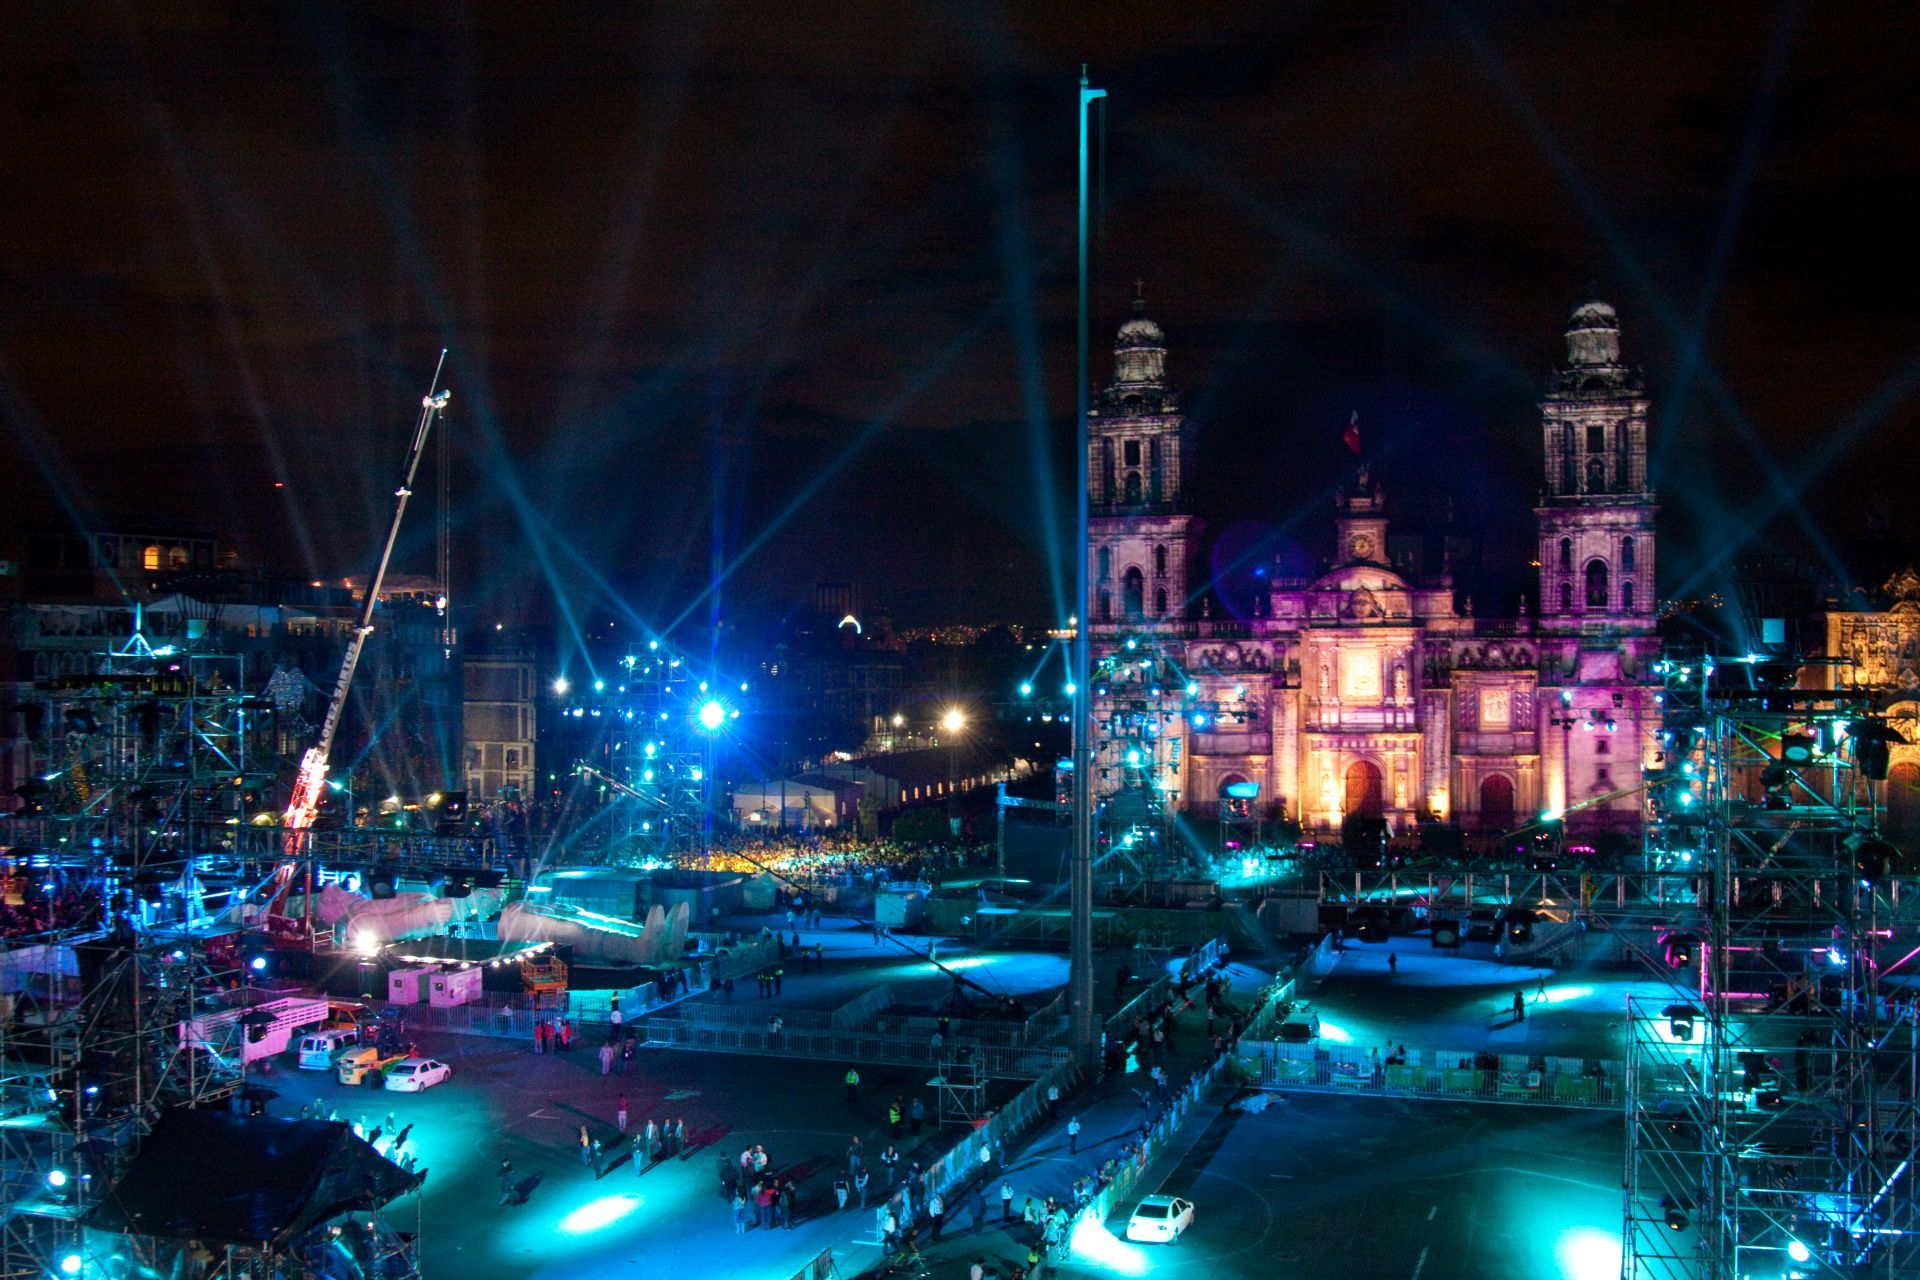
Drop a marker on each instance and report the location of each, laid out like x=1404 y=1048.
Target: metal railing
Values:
x=1545 y=1081
x=1000 y=1061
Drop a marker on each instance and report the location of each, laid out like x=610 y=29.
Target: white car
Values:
x=411 y=1075
x=1160 y=1220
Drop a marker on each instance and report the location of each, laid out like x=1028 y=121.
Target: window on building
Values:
x=513 y=758
x=1566 y=475
x=1132 y=453
x=109 y=553
x=1159 y=562
x=1597 y=595
x=1133 y=592
x=1626 y=596
x=176 y=558
x=1566 y=553
x=1155 y=487
x=1106 y=562
x=1596 y=439
x=150 y=558
x=1596 y=475
x=1106 y=606
x=1160 y=603
x=1133 y=488
x=1602 y=746
x=1566 y=597
x=1626 y=555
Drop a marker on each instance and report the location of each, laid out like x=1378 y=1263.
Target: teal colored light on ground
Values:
x=1587 y=1253
x=1333 y=1033
x=597 y=1215
x=1095 y=1246
x=1560 y=995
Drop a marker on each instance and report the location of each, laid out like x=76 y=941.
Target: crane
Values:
x=311 y=781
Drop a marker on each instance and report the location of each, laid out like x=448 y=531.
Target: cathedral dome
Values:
x=1593 y=335
x=1140 y=331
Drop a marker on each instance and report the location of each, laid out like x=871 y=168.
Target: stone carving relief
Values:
x=1362 y=606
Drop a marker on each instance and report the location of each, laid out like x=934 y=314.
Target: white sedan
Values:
x=1160 y=1220
x=411 y=1075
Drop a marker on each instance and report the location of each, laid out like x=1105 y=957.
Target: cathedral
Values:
x=1365 y=692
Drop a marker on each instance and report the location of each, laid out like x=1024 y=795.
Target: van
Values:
x=319 y=1048
x=1300 y=1025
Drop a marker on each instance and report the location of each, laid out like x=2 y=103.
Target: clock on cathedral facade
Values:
x=1365 y=692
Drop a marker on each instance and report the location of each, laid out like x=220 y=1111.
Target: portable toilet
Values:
x=455 y=987
x=409 y=986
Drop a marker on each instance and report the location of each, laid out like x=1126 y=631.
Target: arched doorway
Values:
x=1903 y=803
x=1133 y=593
x=1496 y=802
x=1363 y=791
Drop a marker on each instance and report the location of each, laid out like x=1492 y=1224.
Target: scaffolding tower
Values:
x=1143 y=710
x=1771 y=1096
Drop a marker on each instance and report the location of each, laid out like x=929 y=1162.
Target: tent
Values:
x=226 y=1178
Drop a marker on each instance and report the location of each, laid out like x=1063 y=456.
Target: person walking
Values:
x=597 y=1154
x=586 y=1147
x=765 y=1199
x=620 y=1114
x=937 y=1212
x=540 y=1037
x=1519 y=1006
x=854 y=1155
x=888 y=1160
x=1006 y=1201
x=606 y=1057
x=784 y=1199
x=1073 y=1136
x=1393 y=963
x=916 y=1115
x=653 y=1137
x=727 y=1167
x=680 y=1138
x=853 y=1087
x=860 y=1179
x=841 y=1191
x=978 y=1206
x=1053 y=1103
x=739 y=1214
x=626 y=1055
x=893 y=1118
x=1540 y=990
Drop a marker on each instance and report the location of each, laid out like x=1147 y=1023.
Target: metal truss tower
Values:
x=655 y=752
x=1143 y=710
x=1771 y=1109
x=146 y=764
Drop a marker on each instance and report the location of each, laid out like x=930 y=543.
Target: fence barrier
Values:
x=1544 y=1081
x=1020 y=1062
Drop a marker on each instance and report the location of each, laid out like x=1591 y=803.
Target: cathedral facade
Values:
x=1370 y=691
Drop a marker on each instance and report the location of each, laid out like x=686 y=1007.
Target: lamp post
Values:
x=1081 y=1027
x=951 y=724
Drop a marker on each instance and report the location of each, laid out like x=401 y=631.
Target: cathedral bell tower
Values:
x=1596 y=509
x=1142 y=534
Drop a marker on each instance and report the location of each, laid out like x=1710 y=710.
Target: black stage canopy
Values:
x=223 y=1177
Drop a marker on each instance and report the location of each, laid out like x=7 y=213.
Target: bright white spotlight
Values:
x=561 y=686
x=1799 y=1252
x=596 y=1215
x=954 y=720
x=711 y=714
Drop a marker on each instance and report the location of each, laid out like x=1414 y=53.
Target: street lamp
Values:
x=953 y=722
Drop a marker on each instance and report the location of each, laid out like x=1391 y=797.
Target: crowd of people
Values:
x=31 y=903
x=819 y=859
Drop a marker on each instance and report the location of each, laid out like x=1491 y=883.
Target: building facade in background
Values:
x=1372 y=690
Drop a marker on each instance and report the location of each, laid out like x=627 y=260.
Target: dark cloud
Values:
x=691 y=255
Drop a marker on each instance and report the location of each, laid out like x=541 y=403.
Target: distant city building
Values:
x=1877 y=651
x=1372 y=690
x=499 y=717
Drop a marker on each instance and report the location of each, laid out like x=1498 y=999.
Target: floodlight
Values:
x=711 y=714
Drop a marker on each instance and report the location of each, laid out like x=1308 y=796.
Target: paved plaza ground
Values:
x=1421 y=1189
x=1387 y=1190
x=1437 y=1000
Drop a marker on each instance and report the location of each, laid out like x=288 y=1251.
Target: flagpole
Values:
x=1082 y=1030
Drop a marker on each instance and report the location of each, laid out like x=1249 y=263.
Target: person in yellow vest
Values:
x=853 y=1086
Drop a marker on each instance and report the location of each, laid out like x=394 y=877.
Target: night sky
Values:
x=787 y=289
